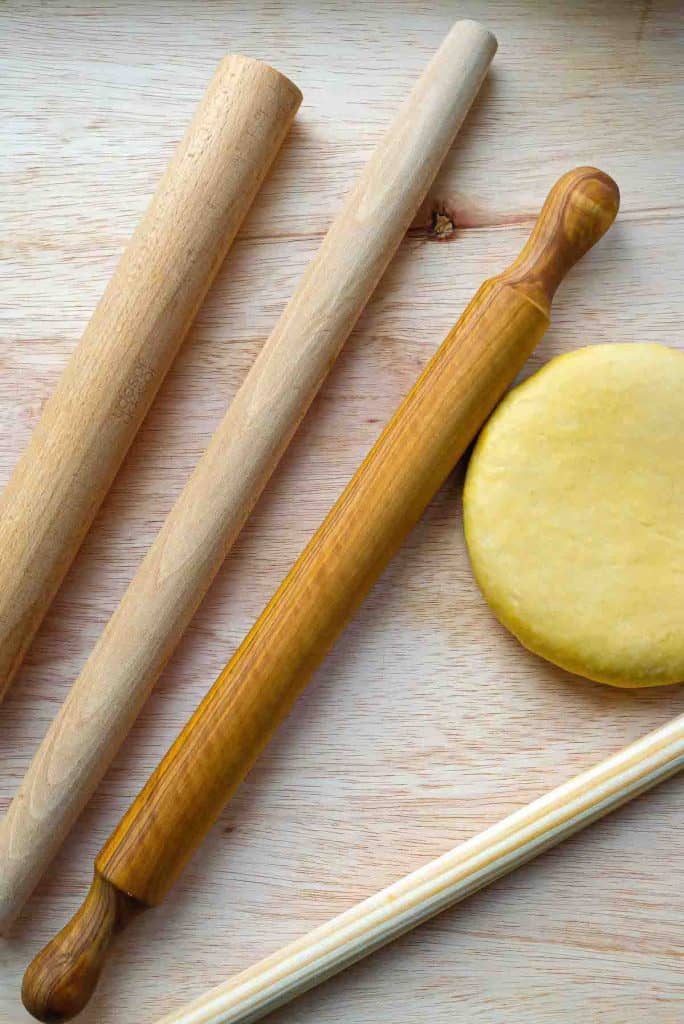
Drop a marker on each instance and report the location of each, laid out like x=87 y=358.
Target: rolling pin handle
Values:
x=61 y=979
x=578 y=211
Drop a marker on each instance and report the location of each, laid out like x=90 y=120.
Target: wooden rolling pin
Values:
x=245 y=449
x=414 y=454
x=113 y=374
x=441 y=883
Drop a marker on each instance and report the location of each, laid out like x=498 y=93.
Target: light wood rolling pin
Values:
x=414 y=454
x=441 y=883
x=245 y=449
x=116 y=369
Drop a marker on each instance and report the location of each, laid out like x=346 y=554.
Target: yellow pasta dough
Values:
x=574 y=513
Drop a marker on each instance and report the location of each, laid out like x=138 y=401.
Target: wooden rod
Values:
x=441 y=883
x=177 y=571
x=430 y=430
x=116 y=369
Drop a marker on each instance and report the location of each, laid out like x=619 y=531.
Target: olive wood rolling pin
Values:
x=441 y=883
x=385 y=498
x=245 y=449
x=116 y=369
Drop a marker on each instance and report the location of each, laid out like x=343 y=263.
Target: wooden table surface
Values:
x=428 y=721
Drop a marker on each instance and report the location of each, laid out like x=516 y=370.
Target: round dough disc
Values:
x=574 y=513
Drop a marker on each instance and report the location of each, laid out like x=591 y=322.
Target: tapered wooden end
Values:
x=577 y=212
x=61 y=979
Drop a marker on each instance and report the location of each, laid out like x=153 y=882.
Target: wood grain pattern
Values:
x=242 y=454
x=114 y=372
x=427 y=722
x=384 y=499
x=440 y=884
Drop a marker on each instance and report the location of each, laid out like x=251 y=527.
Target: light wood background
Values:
x=428 y=721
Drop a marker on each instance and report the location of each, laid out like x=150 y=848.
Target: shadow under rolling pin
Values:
x=414 y=454
x=116 y=369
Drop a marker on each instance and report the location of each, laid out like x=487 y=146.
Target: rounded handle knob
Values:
x=578 y=211
x=60 y=980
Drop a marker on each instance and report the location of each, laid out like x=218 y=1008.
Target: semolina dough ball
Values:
x=574 y=513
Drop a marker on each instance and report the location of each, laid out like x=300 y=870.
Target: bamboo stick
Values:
x=441 y=883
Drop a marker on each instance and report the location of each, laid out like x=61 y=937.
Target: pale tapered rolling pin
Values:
x=207 y=517
x=430 y=430
x=470 y=866
x=116 y=369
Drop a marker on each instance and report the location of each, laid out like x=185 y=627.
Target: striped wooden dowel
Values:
x=439 y=884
